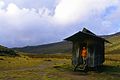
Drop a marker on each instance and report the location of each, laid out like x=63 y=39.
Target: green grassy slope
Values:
x=6 y=51
x=114 y=47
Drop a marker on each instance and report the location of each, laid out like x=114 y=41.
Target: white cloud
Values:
x=22 y=26
x=1 y=4
x=33 y=3
x=68 y=11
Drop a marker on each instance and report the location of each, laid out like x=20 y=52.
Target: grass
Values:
x=114 y=47
x=60 y=56
x=54 y=67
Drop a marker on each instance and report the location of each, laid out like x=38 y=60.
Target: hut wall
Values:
x=76 y=57
x=95 y=53
x=99 y=53
x=91 y=52
x=75 y=53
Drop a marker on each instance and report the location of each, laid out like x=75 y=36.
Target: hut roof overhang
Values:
x=85 y=34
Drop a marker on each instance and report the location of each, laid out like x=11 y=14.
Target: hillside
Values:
x=114 y=47
x=6 y=51
x=111 y=35
x=66 y=47
x=59 y=47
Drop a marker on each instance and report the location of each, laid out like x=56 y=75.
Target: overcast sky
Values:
x=35 y=22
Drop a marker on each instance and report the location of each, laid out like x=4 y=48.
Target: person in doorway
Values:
x=84 y=54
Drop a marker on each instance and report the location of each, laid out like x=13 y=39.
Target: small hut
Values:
x=94 y=46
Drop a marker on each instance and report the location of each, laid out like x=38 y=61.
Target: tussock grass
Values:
x=54 y=68
x=60 y=56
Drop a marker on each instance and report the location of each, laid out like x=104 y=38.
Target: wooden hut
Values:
x=94 y=46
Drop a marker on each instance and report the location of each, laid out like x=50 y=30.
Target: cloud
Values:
x=68 y=11
x=2 y=4
x=28 y=26
x=24 y=23
x=24 y=26
x=100 y=16
x=50 y=4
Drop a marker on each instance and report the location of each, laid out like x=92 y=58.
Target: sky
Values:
x=36 y=22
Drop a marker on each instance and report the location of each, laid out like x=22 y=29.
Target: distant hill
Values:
x=112 y=35
x=6 y=51
x=59 y=47
x=114 y=47
x=66 y=47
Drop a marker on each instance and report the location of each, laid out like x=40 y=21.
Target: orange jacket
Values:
x=84 y=53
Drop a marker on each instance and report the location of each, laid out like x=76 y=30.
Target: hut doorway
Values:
x=81 y=56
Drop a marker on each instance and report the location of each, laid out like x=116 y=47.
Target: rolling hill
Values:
x=6 y=51
x=59 y=47
x=111 y=35
x=114 y=47
x=66 y=47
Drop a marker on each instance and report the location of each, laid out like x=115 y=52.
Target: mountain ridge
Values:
x=58 y=47
x=66 y=47
x=111 y=35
